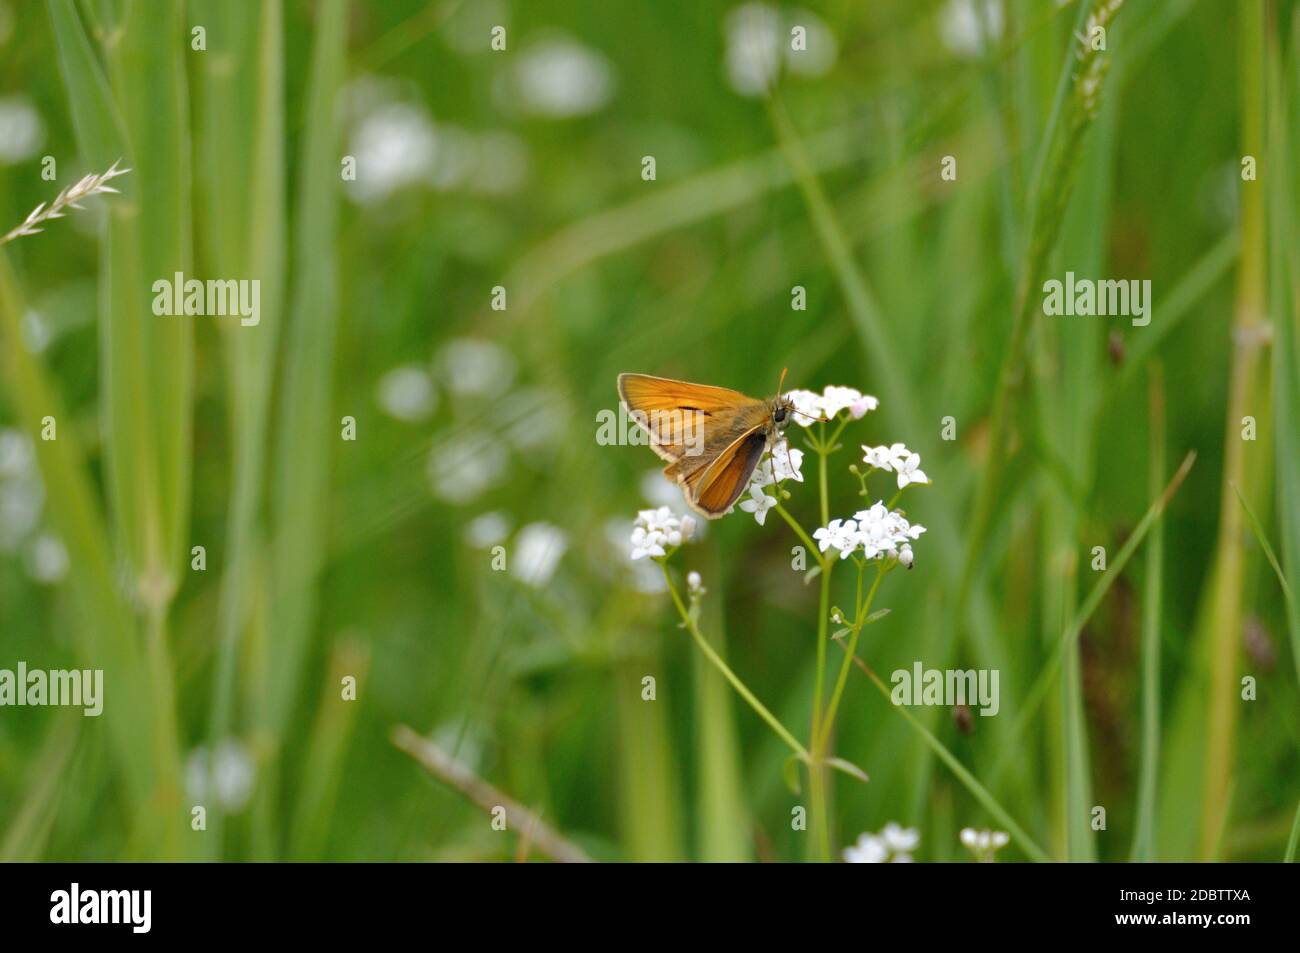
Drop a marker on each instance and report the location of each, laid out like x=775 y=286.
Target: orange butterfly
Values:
x=711 y=437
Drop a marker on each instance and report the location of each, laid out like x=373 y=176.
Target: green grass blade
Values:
x=1289 y=856
x=307 y=424
x=244 y=221
x=1144 y=837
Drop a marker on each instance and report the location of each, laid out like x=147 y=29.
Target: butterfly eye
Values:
x=779 y=415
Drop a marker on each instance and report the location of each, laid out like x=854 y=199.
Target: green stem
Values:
x=743 y=690
x=799 y=531
x=862 y=611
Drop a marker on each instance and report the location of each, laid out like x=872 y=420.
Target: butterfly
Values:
x=712 y=437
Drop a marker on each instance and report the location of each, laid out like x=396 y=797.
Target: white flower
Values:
x=538 y=549
x=558 y=77
x=226 y=776
x=21 y=130
x=807 y=405
x=839 y=534
x=486 y=530
x=394 y=145
x=894 y=844
x=901 y=840
x=758 y=45
x=476 y=368
x=753 y=34
x=407 y=393
x=884 y=458
x=909 y=471
x=47 y=558
x=645 y=543
x=787 y=463
x=869 y=849
x=17 y=456
x=858 y=409
x=758 y=503
x=905 y=556
x=656 y=530
x=965 y=28
x=835 y=399
x=984 y=843
x=781 y=464
x=694 y=584
x=877 y=531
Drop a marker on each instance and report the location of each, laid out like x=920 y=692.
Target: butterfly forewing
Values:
x=686 y=420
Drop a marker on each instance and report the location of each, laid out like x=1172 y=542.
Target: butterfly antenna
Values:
x=781 y=383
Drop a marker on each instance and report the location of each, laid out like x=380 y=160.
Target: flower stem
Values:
x=799 y=531
x=817 y=775
x=860 y=615
x=741 y=688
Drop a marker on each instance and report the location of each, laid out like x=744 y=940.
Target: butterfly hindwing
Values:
x=717 y=487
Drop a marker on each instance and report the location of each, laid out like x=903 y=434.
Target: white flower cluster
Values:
x=893 y=845
x=896 y=459
x=877 y=532
x=656 y=530
x=984 y=844
x=811 y=406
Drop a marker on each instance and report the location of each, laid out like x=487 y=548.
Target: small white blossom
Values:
x=894 y=844
x=406 y=393
x=885 y=458
x=557 y=77
x=538 y=549
x=909 y=471
x=833 y=400
x=47 y=559
x=474 y=367
x=900 y=840
x=967 y=29
x=694 y=584
x=836 y=399
x=656 y=530
x=226 y=775
x=758 y=503
x=905 y=557
x=877 y=532
x=838 y=534
x=780 y=464
x=984 y=843
x=487 y=530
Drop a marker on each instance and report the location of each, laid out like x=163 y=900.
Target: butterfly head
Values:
x=782 y=411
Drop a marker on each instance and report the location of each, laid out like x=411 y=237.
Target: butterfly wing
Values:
x=668 y=410
x=714 y=489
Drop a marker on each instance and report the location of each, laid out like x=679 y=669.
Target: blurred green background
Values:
x=521 y=169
